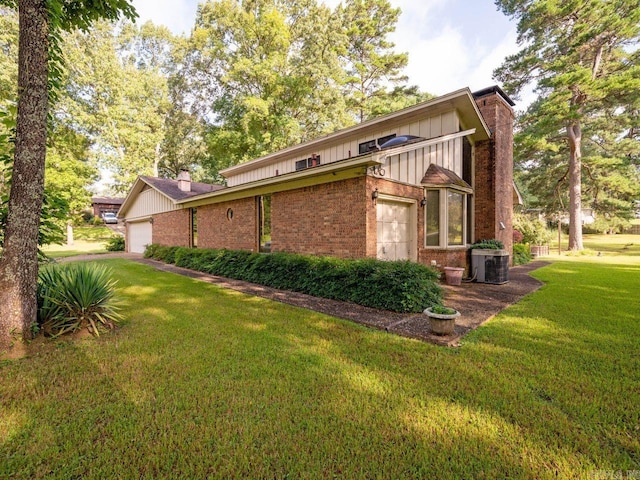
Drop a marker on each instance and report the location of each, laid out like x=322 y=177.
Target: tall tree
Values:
x=39 y=23
x=396 y=99
x=116 y=94
x=579 y=53
x=265 y=75
x=371 y=63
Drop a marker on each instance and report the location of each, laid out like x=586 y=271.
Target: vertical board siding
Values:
x=150 y=202
x=447 y=156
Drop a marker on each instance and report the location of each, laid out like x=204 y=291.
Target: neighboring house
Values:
x=424 y=197
x=588 y=216
x=102 y=205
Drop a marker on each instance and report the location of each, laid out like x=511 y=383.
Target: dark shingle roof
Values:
x=441 y=177
x=171 y=190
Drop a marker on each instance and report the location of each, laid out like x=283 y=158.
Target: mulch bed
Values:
x=477 y=302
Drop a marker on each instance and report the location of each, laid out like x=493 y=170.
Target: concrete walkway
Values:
x=477 y=302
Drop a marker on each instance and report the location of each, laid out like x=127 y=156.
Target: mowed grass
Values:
x=607 y=245
x=88 y=239
x=203 y=382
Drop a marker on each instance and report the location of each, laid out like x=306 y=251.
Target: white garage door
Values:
x=139 y=236
x=395 y=229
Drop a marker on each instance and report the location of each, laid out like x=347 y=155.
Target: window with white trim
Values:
x=445 y=217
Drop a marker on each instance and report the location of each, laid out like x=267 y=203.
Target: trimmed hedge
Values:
x=396 y=286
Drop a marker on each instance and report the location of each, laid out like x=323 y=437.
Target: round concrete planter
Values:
x=441 y=323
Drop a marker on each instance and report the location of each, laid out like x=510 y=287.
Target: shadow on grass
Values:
x=209 y=382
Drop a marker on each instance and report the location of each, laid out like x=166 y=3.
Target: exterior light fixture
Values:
x=151 y=220
x=423 y=202
x=374 y=196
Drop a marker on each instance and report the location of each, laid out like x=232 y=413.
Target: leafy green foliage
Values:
x=491 y=244
x=370 y=60
x=115 y=244
x=521 y=254
x=395 y=286
x=266 y=73
x=534 y=231
x=442 y=310
x=75 y=296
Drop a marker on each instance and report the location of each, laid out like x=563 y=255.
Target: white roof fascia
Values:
x=450 y=98
x=360 y=161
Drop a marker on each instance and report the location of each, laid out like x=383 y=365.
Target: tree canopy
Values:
x=582 y=57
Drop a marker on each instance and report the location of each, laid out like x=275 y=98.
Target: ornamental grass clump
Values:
x=72 y=297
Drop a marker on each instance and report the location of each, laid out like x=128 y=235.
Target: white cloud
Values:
x=437 y=64
x=178 y=15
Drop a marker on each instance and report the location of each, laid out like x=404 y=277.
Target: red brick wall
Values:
x=172 y=228
x=328 y=219
x=215 y=230
x=494 y=173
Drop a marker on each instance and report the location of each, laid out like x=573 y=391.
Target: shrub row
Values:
x=396 y=286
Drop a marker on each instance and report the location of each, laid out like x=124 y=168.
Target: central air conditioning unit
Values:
x=490 y=266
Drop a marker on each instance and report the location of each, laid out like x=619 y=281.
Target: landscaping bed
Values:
x=395 y=286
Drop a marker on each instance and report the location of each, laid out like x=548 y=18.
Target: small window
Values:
x=367 y=147
x=312 y=161
x=264 y=223
x=194 y=227
x=229 y=214
x=455 y=217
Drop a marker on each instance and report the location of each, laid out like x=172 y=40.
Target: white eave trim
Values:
x=361 y=161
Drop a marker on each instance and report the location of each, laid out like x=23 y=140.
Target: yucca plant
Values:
x=71 y=297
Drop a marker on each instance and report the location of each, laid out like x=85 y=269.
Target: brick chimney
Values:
x=494 y=169
x=184 y=180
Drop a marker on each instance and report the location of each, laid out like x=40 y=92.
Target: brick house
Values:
x=102 y=205
x=419 y=184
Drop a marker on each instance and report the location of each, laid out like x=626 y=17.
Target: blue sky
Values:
x=451 y=43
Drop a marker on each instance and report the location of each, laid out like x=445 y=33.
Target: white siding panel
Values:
x=436 y=126
x=431 y=127
x=150 y=202
x=449 y=123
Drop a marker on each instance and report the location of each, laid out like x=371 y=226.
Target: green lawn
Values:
x=607 y=245
x=89 y=239
x=204 y=382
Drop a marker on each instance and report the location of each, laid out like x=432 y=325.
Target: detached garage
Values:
x=152 y=214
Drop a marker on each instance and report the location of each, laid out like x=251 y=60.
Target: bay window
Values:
x=445 y=217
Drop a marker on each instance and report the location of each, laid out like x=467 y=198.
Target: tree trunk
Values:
x=19 y=262
x=574 y=134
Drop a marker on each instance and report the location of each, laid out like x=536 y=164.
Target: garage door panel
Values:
x=139 y=236
x=395 y=230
